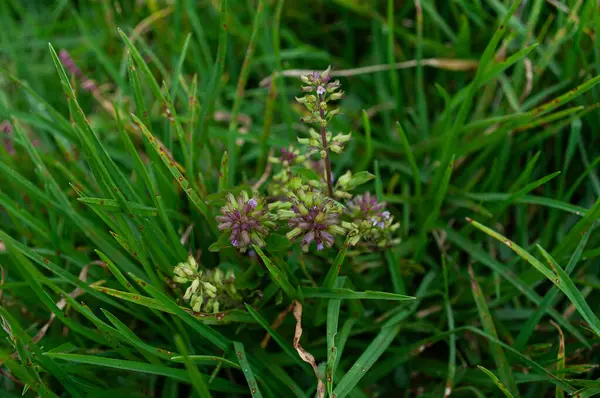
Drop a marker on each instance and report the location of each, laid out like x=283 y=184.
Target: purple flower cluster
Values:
x=320 y=84
x=313 y=216
x=371 y=221
x=246 y=219
x=367 y=207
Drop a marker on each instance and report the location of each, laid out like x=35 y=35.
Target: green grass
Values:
x=477 y=119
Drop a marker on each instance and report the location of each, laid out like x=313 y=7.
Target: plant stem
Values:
x=324 y=140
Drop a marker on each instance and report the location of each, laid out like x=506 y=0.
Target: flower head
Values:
x=246 y=219
x=319 y=91
x=313 y=216
x=366 y=206
x=371 y=222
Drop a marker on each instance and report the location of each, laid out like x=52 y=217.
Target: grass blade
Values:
x=333 y=315
x=198 y=380
x=496 y=381
x=246 y=368
x=276 y=275
x=529 y=327
x=342 y=293
x=555 y=274
x=488 y=325
x=366 y=360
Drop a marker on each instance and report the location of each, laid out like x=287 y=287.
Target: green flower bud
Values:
x=196 y=302
x=314 y=134
x=323 y=154
x=192 y=289
x=218 y=275
x=341 y=195
x=333 y=112
x=335 y=148
x=345 y=178
x=336 y=96
x=323 y=105
x=285 y=214
x=293 y=234
x=342 y=138
x=209 y=289
x=314 y=142
x=336 y=230
x=179 y=279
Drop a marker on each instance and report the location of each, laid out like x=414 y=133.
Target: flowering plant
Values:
x=303 y=199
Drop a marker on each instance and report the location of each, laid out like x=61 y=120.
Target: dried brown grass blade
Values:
x=457 y=65
x=305 y=355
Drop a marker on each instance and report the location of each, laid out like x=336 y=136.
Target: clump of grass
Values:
x=169 y=227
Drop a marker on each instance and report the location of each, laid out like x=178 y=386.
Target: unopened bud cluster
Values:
x=320 y=91
x=209 y=291
x=315 y=143
x=287 y=159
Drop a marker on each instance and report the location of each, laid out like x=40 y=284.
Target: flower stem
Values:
x=324 y=140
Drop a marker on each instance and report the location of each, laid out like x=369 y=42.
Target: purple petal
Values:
x=328 y=238
x=252 y=202
x=320 y=246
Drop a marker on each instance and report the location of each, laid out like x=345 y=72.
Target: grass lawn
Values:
x=310 y=198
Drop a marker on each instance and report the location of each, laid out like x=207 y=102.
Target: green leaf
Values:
x=277 y=276
x=478 y=254
x=488 y=325
x=114 y=205
x=224 y=173
x=222 y=243
x=555 y=274
x=153 y=303
x=198 y=380
x=218 y=384
x=358 y=179
x=247 y=369
x=209 y=360
x=496 y=381
x=342 y=293
x=366 y=360
x=529 y=327
x=285 y=345
x=333 y=314
x=181 y=180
